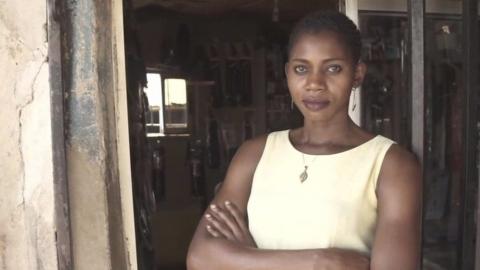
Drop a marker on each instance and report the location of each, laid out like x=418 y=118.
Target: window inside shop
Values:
x=167 y=105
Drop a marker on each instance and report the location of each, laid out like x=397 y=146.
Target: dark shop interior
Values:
x=204 y=76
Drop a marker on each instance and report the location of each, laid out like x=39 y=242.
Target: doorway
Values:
x=220 y=63
x=230 y=74
x=180 y=149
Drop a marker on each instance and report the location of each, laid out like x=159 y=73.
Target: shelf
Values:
x=278 y=111
x=200 y=83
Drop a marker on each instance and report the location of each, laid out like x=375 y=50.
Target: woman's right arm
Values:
x=210 y=253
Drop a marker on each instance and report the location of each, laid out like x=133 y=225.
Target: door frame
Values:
x=58 y=28
x=70 y=44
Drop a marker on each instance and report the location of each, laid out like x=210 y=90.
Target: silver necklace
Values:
x=304 y=174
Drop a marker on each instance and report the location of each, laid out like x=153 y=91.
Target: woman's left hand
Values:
x=228 y=222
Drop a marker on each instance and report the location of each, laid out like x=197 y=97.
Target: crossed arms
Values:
x=222 y=240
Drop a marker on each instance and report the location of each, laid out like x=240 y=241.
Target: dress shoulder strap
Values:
x=382 y=146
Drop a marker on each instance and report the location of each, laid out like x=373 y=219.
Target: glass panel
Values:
x=176 y=103
x=385 y=95
x=444 y=157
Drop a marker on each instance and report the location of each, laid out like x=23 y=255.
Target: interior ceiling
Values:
x=288 y=9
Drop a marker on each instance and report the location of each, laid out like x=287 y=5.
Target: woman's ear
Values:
x=360 y=71
x=286 y=69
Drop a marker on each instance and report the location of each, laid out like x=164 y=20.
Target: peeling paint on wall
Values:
x=95 y=203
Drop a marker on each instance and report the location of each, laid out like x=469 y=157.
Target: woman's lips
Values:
x=316 y=105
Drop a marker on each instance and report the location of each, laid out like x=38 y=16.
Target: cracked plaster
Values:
x=27 y=234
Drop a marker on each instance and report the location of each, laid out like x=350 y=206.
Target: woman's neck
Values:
x=325 y=133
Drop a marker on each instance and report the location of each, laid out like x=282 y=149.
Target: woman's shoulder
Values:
x=398 y=164
x=396 y=157
x=400 y=167
x=254 y=146
x=399 y=155
x=251 y=150
x=258 y=143
x=242 y=166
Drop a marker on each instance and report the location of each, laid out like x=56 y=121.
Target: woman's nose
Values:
x=315 y=82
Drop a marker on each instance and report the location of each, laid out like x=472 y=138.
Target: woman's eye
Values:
x=334 y=69
x=300 y=69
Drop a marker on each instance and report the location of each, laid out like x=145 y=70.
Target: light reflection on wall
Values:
x=154 y=94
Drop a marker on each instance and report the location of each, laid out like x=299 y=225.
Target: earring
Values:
x=291 y=105
x=354 y=89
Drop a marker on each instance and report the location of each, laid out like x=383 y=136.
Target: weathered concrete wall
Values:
x=27 y=234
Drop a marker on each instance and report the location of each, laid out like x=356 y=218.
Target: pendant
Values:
x=304 y=175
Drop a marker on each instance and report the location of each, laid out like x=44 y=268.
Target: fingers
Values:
x=241 y=220
x=213 y=232
x=237 y=215
x=226 y=217
x=219 y=227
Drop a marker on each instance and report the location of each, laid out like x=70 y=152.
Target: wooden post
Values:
x=416 y=72
x=469 y=254
x=416 y=15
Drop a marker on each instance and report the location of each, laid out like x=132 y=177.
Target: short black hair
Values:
x=332 y=21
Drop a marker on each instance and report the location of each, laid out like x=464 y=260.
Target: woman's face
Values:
x=321 y=75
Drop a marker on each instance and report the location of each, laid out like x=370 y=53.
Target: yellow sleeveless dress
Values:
x=335 y=207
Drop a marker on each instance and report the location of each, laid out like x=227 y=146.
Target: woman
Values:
x=328 y=195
